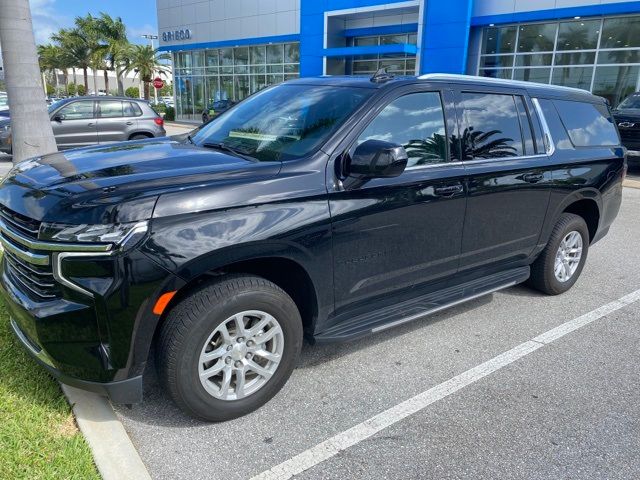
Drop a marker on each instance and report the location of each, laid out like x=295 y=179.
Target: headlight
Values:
x=120 y=234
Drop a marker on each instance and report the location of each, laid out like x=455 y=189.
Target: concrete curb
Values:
x=632 y=183
x=113 y=452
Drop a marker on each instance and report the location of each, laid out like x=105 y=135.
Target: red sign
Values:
x=158 y=83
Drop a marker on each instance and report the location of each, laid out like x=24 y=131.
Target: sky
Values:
x=50 y=15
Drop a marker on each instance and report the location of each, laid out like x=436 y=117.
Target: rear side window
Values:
x=110 y=109
x=491 y=126
x=131 y=109
x=588 y=124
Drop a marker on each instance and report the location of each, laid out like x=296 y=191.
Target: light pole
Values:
x=151 y=38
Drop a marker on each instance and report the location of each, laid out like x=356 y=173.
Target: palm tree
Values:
x=30 y=125
x=77 y=50
x=144 y=62
x=87 y=33
x=114 y=33
x=53 y=57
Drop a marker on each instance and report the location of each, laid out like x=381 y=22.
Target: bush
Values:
x=82 y=90
x=159 y=107
x=50 y=89
x=72 y=89
x=132 y=92
x=170 y=114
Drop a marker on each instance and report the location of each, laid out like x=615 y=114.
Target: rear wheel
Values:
x=138 y=136
x=228 y=348
x=205 y=118
x=559 y=265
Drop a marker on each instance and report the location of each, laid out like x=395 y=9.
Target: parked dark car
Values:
x=328 y=208
x=83 y=121
x=627 y=117
x=216 y=108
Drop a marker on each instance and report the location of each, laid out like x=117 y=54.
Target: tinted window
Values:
x=588 y=124
x=416 y=122
x=630 y=102
x=283 y=122
x=131 y=109
x=525 y=124
x=491 y=126
x=110 y=109
x=77 y=110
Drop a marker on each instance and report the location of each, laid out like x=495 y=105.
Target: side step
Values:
x=412 y=309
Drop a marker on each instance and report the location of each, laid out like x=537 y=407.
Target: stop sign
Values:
x=158 y=83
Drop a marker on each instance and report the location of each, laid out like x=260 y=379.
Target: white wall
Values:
x=217 y=20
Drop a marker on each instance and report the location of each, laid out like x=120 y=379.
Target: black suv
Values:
x=327 y=208
x=627 y=116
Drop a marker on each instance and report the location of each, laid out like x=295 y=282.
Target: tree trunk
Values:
x=95 y=81
x=65 y=76
x=106 y=81
x=119 y=81
x=75 y=82
x=30 y=125
x=86 y=81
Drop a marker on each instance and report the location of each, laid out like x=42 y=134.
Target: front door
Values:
x=508 y=178
x=112 y=125
x=393 y=235
x=74 y=125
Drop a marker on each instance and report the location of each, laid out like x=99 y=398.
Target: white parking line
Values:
x=334 y=445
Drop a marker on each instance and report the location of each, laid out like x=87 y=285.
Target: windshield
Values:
x=4 y=101
x=284 y=122
x=55 y=105
x=630 y=102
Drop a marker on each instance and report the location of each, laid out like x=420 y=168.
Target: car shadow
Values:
x=158 y=409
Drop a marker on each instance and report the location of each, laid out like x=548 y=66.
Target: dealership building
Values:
x=229 y=49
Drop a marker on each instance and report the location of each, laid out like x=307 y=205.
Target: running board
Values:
x=412 y=309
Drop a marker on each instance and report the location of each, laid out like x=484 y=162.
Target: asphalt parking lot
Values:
x=564 y=409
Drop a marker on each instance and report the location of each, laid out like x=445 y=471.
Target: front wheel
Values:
x=559 y=265
x=228 y=348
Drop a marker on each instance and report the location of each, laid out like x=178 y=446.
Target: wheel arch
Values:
x=586 y=203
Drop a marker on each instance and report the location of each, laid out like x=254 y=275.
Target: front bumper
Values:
x=125 y=391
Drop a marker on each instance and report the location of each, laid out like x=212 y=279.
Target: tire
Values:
x=205 y=118
x=543 y=270
x=190 y=328
x=138 y=136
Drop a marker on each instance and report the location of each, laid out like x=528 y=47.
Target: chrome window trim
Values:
x=434 y=165
x=550 y=146
x=51 y=246
x=503 y=159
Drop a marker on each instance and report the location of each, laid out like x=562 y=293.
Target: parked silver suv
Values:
x=83 y=121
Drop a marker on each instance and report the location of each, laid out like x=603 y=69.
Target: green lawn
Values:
x=38 y=435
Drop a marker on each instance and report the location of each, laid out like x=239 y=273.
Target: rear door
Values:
x=74 y=124
x=112 y=124
x=508 y=178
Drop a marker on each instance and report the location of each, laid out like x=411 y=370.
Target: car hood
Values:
x=119 y=182
x=628 y=114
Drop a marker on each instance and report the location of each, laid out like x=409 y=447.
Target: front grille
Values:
x=22 y=224
x=37 y=280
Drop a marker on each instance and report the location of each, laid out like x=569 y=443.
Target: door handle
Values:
x=129 y=123
x=448 y=190
x=532 y=177
x=90 y=124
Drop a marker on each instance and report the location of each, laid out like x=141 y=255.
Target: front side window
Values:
x=415 y=121
x=110 y=109
x=588 y=124
x=77 y=110
x=491 y=126
x=284 y=122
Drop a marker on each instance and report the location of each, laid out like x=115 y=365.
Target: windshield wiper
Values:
x=227 y=148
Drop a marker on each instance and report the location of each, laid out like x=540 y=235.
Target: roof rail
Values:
x=497 y=81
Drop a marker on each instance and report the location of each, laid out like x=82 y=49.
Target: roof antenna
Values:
x=382 y=75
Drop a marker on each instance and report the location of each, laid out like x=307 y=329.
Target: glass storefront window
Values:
x=539 y=75
x=577 y=77
x=240 y=56
x=620 y=32
x=580 y=35
x=537 y=37
x=499 y=40
x=257 y=55
x=292 y=53
x=198 y=58
x=597 y=54
x=397 y=63
x=275 y=53
x=615 y=83
x=211 y=58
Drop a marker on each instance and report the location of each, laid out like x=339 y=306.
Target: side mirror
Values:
x=377 y=159
x=58 y=118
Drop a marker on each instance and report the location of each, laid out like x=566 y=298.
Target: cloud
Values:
x=46 y=21
x=135 y=33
